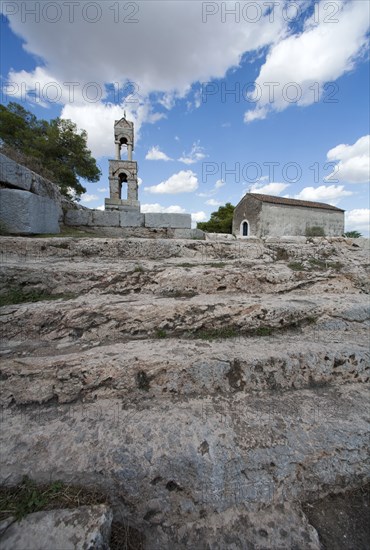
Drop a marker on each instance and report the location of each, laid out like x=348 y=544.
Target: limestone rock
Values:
x=26 y=213
x=208 y=387
x=84 y=528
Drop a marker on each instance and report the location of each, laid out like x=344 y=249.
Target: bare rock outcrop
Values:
x=209 y=387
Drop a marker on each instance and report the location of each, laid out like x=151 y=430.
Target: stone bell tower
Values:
x=123 y=173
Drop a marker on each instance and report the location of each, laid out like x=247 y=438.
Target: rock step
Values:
x=35 y=249
x=175 y=459
x=111 y=318
x=139 y=370
x=177 y=280
x=83 y=527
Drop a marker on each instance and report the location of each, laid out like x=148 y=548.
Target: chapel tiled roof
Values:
x=293 y=202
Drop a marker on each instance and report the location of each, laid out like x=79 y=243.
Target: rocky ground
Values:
x=218 y=391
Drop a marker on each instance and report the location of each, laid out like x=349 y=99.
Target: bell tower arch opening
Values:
x=122 y=184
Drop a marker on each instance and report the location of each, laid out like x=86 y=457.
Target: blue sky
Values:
x=226 y=96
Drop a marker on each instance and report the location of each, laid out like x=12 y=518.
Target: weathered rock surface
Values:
x=208 y=387
x=84 y=528
x=26 y=213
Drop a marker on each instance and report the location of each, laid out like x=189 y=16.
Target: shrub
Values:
x=352 y=234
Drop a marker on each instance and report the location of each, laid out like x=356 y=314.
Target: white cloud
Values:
x=101 y=207
x=152 y=208
x=103 y=189
x=86 y=198
x=213 y=202
x=98 y=121
x=214 y=190
x=156 y=154
x=139 y=181
x=182 y=182
x=199 y=217
x=196 y=101
x=322 y=53
x=260 y=113
x=269 y=189
x=168 y=100
x=354 y=161
x=166 y=58
x=219 y=184
x=39 y=86
x=196 y=154
x=324 y=193
x=358 y=219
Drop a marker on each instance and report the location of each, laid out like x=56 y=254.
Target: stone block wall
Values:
x=14 y=175
x=24 y=213
x=29 y=202
x=32 y=204
x=181 y=223
x=175 y=221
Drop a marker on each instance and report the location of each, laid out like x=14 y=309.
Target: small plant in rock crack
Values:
x=296 y=266
x=160 y=333
x=324 y=265
x=23 y=295
x=29 y=497
x=263 y=331
x=216 y=333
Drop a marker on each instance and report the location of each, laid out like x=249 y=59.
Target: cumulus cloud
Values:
x=196 y=154
x=163 y=64
x=98 y=121
x=165 y=58
x=152 y=208
x=182 y=182
x=354 y=161
x=199 y=216
x=358 y=219
x=324 y=193
x=260 y=113
x=156 y=154
x=297 y=67
x=269 y=189
x=103 y=189
x=219 y=184
x=213 y=202
x=214 y=190
x=86 y=198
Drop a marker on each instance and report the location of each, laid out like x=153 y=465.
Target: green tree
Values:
x=56 y=145
x=220 y=221
x=352 y=234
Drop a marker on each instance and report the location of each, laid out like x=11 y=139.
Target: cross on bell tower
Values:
x=122 y=172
